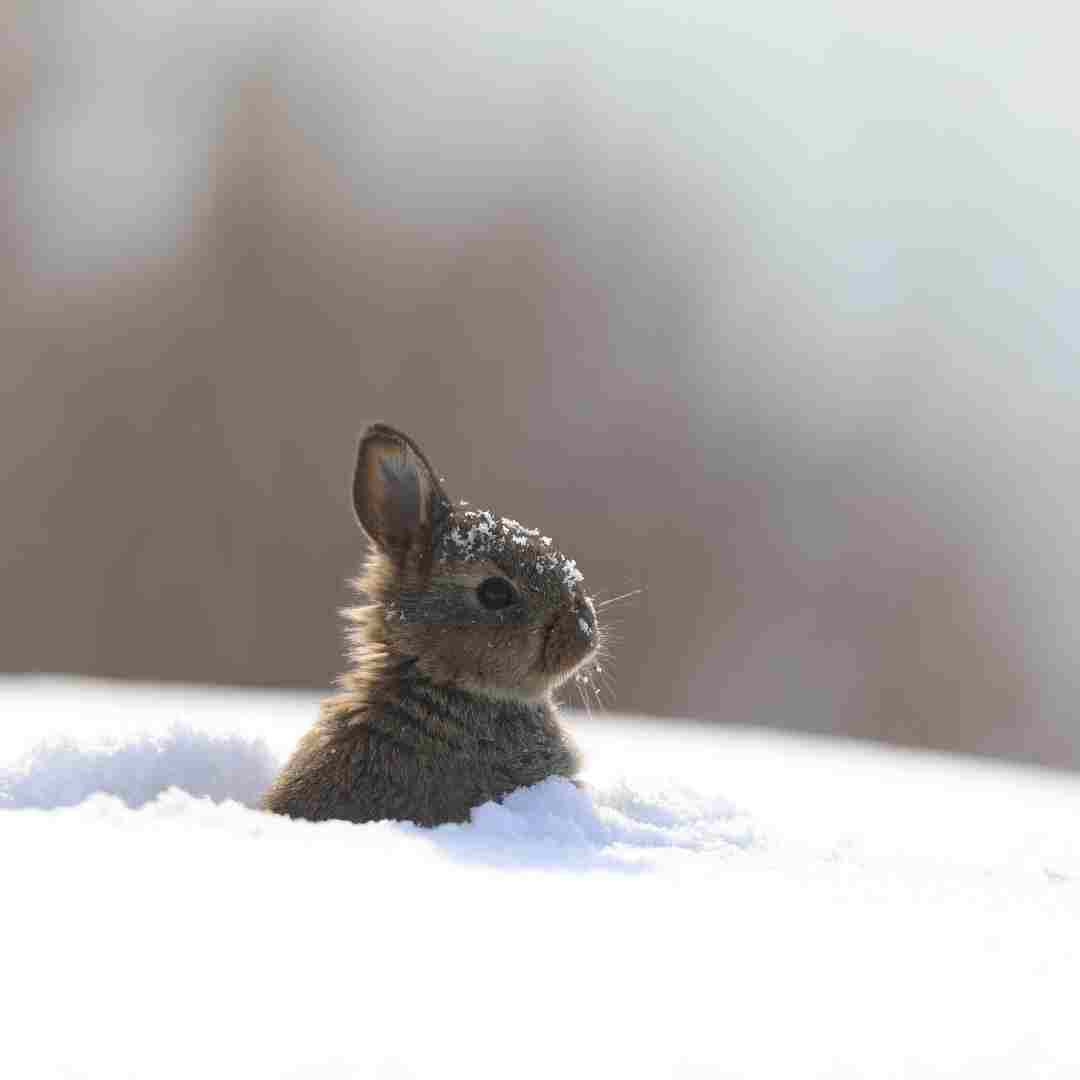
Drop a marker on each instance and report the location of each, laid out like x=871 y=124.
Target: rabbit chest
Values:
x=431 y=753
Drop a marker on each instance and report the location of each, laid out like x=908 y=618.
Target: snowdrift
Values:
x=719 y=903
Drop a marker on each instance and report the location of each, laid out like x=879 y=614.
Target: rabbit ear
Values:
x=397 y=496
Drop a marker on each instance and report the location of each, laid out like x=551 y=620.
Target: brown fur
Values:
x=447 y=704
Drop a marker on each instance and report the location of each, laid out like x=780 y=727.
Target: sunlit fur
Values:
x=446 y=704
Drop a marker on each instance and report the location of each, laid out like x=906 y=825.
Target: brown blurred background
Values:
x=772 y=315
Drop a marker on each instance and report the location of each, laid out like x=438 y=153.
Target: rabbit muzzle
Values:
x=572 y=638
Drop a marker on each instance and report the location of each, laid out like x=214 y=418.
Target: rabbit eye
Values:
x=495 y=593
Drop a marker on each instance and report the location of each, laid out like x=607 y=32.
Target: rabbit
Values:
x=473 y=622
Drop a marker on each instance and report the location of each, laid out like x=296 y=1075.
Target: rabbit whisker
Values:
x=615 y=599
x=584 y=699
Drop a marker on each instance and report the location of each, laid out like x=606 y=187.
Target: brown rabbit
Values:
x=473 y=622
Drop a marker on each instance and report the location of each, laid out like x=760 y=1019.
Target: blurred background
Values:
x=767 y=309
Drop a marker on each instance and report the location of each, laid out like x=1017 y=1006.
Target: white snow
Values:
x=723 y=903
x=478 y=533
x=517 y=527
x=474 y=531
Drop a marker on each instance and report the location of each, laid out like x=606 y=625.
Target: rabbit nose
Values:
x=586 y=616
x=571 y=637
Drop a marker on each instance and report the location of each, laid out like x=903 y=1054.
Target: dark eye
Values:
x=495 y=593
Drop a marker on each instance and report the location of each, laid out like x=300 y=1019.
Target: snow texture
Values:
x=839 y=911
x=479 y=534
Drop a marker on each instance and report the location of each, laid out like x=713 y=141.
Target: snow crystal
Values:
x=565 y=569
x=478 y=534
x=517 y=527
x=473 y=534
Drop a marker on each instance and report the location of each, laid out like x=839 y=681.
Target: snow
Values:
x=478 y=534
x=720 y=903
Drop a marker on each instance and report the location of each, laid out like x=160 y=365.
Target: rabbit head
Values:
x=474 y=600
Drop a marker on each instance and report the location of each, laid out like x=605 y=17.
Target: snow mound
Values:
x=552 y=824
x=555 y=824
x=62 y=771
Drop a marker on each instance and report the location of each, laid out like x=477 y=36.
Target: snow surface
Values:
x=722 y=903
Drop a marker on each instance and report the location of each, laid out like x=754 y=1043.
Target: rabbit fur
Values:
x=472 y=622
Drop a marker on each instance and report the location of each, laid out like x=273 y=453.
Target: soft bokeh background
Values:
x=769 y=309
